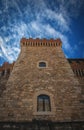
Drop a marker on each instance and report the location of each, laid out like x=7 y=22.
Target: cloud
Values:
x=71 y=8
x=59 y=18
x=8 y=52
x=35 y=25
x=10 y=46
x=2 y=46
x=0 y=54
x=37 y=18
x=47 y=30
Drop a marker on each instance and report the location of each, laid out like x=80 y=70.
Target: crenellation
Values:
x=42 y=42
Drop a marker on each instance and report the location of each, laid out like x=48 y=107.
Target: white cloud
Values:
x=20 y=29
x=71 y=8
x=44 y=30
x=50 y=30
x=1 y=41
x=17 y=7
x=7 y=39
x=8 y=51
x=0 y=54
x=11 y=51
x=59 y=18
x=35 y=25
x=4 y=49
x=36 y=22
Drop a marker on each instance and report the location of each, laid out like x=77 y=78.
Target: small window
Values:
x=8 y=71
x=43 y=103
x=82 y=101
x=3 y=73
x=42 y=64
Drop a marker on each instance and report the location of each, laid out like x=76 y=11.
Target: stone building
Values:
x=42 y=85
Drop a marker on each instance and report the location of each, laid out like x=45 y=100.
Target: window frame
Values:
x=52 y=104
x=42 y=66
x=44 y=98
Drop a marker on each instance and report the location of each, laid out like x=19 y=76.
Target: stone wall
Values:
x=77 y=66
x=5 y=71
x=28 y=80
x=42 y=125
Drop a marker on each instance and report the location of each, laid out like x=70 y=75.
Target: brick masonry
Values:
x=18 y=101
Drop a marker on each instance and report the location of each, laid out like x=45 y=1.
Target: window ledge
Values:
x=44 y=113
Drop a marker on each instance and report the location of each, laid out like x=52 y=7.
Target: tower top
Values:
x=41 y=42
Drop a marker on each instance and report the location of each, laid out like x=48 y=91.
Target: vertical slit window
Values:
x=8 y=71
x=3 y=73
x=76 y=72
x=82 y=72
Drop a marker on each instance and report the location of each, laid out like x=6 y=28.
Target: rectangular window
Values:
x=43 y=103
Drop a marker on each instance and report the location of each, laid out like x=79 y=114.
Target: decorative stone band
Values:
x=40 y=42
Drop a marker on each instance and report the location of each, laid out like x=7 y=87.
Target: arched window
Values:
x=43 y=103
x=42 y=64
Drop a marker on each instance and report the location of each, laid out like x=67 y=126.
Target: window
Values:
x=3 y=73
x=82 y=101
x=8 y=71
x=42 y=64
x=43 y=103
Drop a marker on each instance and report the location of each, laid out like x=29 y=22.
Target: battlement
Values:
x=77 y=66
x=76 y=63
x=6 y=69
x=40 y=42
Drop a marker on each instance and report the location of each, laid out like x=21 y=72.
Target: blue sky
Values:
x=43 y=19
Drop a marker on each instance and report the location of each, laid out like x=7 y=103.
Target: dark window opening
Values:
x=78 y=61
x=36 y=43
x=76 y=72
x=23 y=43
x=82 y=101
x=8 y=71
x=3 y=73
x=79 y=72
x=42 y=64
x=43 y=103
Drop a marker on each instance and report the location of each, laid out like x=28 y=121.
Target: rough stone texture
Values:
x=27 y=81
x=5 y=71
x=77 y=66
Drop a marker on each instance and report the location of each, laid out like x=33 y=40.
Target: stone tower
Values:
x=42 y=85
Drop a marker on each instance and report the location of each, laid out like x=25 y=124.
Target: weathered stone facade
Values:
x=77 y=66
x=28 y=80
x=5 y=71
